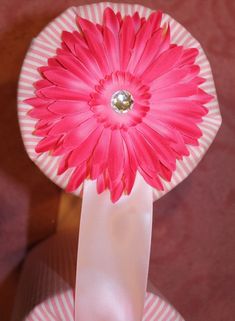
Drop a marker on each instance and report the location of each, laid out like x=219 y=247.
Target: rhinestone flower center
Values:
x=122 y=101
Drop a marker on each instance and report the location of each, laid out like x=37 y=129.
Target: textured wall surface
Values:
x=192 y=261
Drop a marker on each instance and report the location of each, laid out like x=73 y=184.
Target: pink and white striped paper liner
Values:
x=46 y=291
x=44 y=46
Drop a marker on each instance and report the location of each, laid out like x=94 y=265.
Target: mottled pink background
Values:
x=193 y=248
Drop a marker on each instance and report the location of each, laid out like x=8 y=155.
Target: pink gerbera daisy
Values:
x=119 y=98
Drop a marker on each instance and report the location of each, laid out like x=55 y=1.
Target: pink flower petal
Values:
x=111 y=28
x=111 y=45
x=116 y=190
x=174 y=140
x=165 y=173
x=77 y=68
x=86 y=25
x=42 y=83
x=145 y=32
x=182 y=124
x=66 y=124
x=155 y=19
x=100 y=154
x=152 y=50
x=145 y=155
x=43 y=123
x=178 y=90
x=44 y=131
x=190 y=140
x=89 y=62
x=38 y=102
x=130 y=169
x=126 y=37
x=175 y=76
x=202 y=97
x=189 y=56
x=77 y=135
x=116 y=156
x=162 y=150
x=42 y=113
x=110 y=21
x=77 y=177
x=131 y=152
x=101 y=184
x=137 y=21
x=63 y=164
x=63 y=78
x=94 y=41
x=80 y=40
x=187 y=115
x=153 y=181
x=55 y=92
x=69 y=40
x=68 y=107
x=183 y=106
x=60 y=150
x=47 y=144
x=166 y=61
x=52 y=62
x=85 y=150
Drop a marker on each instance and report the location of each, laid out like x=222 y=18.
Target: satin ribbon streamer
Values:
x=113 y=254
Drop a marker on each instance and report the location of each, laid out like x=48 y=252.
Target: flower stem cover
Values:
x=117 y=97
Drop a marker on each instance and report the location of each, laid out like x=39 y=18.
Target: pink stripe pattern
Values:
x=44 y=46
x=46 y=290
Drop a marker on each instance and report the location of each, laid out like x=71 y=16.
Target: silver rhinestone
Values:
x=122 y=101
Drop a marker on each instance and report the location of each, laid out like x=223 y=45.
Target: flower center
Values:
x=122 y=101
